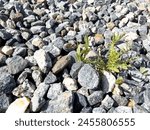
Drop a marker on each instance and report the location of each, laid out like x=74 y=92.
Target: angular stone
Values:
x=61 y=64
x=37 y=29
x=99 y=110
x=95 y=98
x=70 y=84
x=38 y=42
x=43 y=60
x=50 y=78
x=86 y=110
x=16 y=64
x=139 y=109
x=63 y=104
x=7 y=50
x=2 y=59
x=7 y=83
x=131 y=36
x=5 y=35
x=20 y=105
x=88 y=77
x=25 y=90
x=55 y=90
x=142 y=19
x=21 y=51
x=107 y=102
x=120 y=100
x=37 y=77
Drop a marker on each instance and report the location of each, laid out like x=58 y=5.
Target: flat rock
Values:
x=88 y=77
x=43 y=60
x=61 y=64
x=63 y=104
x=16 y=64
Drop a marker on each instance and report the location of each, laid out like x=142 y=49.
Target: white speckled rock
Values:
x=20 y=105
x=43 y=60
x=131 y=36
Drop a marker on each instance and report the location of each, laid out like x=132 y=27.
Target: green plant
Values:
x=119 y=80
x=82 y=50
x=114 y=62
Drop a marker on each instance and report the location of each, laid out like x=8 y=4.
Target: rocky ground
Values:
x=38 y=67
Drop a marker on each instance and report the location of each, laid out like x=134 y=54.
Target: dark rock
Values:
x=95 y=98
x=142 y=19
x=143 y=30
x=7 y=83
x=5 y=35
x=88 y=77
x=16 y=64
x=2 y=59
x=55 y=90
x=21 y=51
x=63 y=104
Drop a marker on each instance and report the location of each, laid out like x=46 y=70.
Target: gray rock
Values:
x=107 y=102
x=95 y=98
x=55 y=51
x=7 y=83
x=23 y=76
x=98 y=110
x=80 y=100
x=4 y=102
x=120 y=100
x=55 y=90
x=43 y=60
x=139 y=98
x=61 y=64
x=147 y=96
x=37 y=29
x=5 y=35
x=21 y=51
x=142 y=19
x=86 y=110
x=2 y=59
x=75 y=69
x=58 y=42
x=37 y=77
x=123 y=109
x=84 y=91
x=24 y=90
x=63 y=104
x=143 y=30
x=88 y=77
x=16 y=64
x=139 y=109
x=50 y=78
x=26 y=35
x=30 y=18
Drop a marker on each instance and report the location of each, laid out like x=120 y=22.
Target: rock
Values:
x=55 y=90
x=130 y=16
x=107 y=102
x=50 y=78
x=63 y=104
x=37 y=77
x=142 y=19
x=70 y=84
x=61 y=64
x=123 y=109
x=58 y=42
x=16 y=16
x=16 y=64
x=25 y=90
x=70 y=46
x=4 y=102
x=7 y=83
x=23 y=76
x=38 y=100
x=55 y=51
x=5 y=35
x=110 y=25
x=90 y=2
x=120 y=100
x=7 y=50
x=86 y=110
x=88 y=77
x=20 y=105
x=21 y=51
x=131 y=36
x=147 y=96
x=98 y=110
x=143 y=30
x=43 y=60
x=38 y=42
x=84 y=91
x=2 y=59
x=108 y=82
x=75 y=69
x=91 y=55
x=123 y=22
x=37 y=29
x=99 y=38
x=26 y=35
x=95 y=98
x=139 y=109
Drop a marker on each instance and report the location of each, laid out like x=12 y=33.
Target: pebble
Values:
x=95 y=98
x=37 y=29
x=37 y=42
x=21 y=51
x=55 y=90
x=16 y=64
x=20 y=105
x=37 y=77
x=88 y=77
x=43 y=60
x=61 y=64
x=70 y=84
x=50 y=78
x=63 y=104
